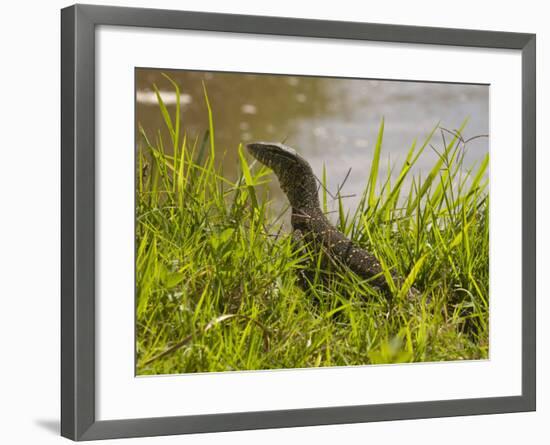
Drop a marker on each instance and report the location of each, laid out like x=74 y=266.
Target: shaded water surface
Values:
x=332 y=122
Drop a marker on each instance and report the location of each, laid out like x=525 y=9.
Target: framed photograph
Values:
x=272 y=222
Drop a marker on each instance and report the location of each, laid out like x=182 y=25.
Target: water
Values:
x=331 y=122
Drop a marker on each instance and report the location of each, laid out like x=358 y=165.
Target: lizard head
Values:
x=293 y=171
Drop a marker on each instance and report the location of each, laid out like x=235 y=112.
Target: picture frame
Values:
x=78 y=215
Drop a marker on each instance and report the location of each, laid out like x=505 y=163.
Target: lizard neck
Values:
x=301 y=190
x=309 y=220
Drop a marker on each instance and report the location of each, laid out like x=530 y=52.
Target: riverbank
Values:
x=216 y=276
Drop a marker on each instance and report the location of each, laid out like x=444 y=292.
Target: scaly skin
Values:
x=308 y=220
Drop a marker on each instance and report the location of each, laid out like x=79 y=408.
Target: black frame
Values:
x=78 y=24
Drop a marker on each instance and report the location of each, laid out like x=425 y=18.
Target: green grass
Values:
x=216 y=274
